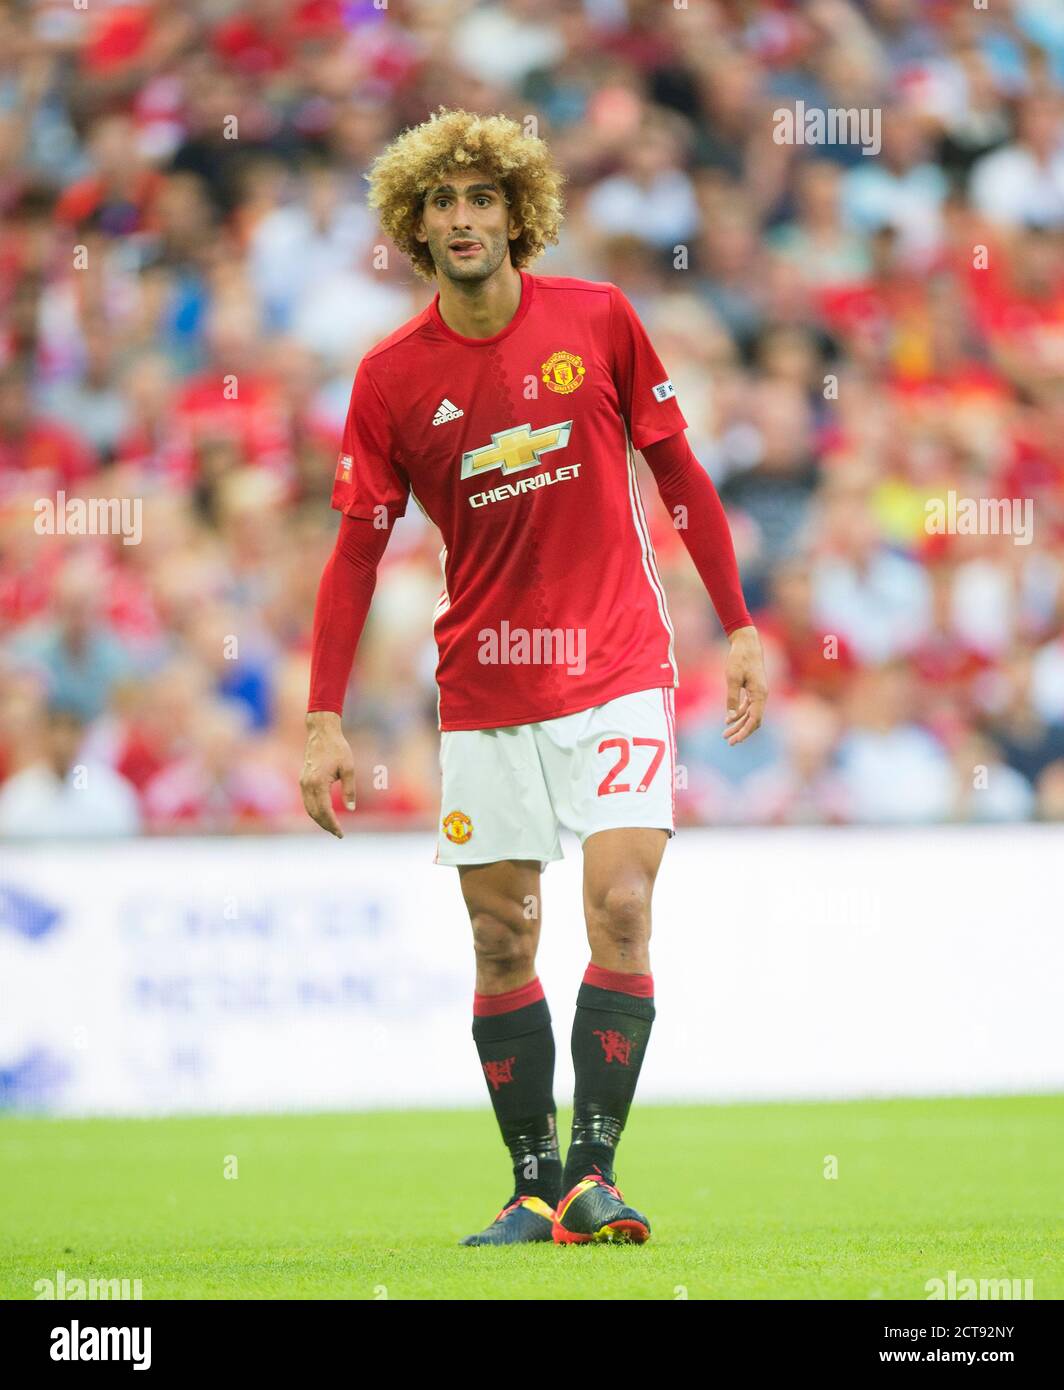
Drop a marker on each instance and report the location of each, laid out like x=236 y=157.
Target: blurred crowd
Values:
x=189 y=275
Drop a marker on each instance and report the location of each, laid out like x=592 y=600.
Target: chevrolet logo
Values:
x=519 y=447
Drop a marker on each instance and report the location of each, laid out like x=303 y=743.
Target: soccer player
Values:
x=510 y=409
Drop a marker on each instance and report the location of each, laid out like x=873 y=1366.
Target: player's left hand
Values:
x=747 y=688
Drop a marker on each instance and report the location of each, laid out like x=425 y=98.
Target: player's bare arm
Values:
x=747 y=687
x=327 y=760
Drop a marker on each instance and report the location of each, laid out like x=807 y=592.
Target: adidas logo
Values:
x=447 y=411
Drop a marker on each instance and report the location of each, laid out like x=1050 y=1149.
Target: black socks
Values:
x=516 y=1046
x=512 y=1031
x=614 y=1014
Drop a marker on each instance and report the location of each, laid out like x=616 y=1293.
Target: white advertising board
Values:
x=304 y=973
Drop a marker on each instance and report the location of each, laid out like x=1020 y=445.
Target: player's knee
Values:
x=504 y=941
x=621 y=912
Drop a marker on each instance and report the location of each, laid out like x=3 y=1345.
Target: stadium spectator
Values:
x=220 y=785
x=805 y=787
x=30 y=442
x=56 y=795
x=75 y=652
x=1023 y=183
x=893 y=770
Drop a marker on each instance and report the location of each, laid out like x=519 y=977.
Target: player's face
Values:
x=466 y=224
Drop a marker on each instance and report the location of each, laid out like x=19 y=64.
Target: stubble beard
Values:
x=463 y=273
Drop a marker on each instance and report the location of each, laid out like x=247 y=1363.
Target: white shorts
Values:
x=507 y=791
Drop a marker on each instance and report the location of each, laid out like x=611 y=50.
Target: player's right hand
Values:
x=328 y=758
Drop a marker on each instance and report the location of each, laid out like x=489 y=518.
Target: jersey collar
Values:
x=528 y=283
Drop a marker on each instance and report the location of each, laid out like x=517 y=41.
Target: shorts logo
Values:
x=343 y=468
x=515 y=448
x=457 y=827
x=563 y=372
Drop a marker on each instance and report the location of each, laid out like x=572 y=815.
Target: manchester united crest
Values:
x=457 y=827
x=563 y=372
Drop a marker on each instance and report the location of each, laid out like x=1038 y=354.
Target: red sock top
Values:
x=640 y=985
x=485 y=1005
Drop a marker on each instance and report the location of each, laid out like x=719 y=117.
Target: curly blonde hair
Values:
x=417 y=161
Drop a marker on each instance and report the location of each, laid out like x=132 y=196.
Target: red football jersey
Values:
x=519 y=447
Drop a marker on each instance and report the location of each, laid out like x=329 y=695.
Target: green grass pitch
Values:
x=372 y=1205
